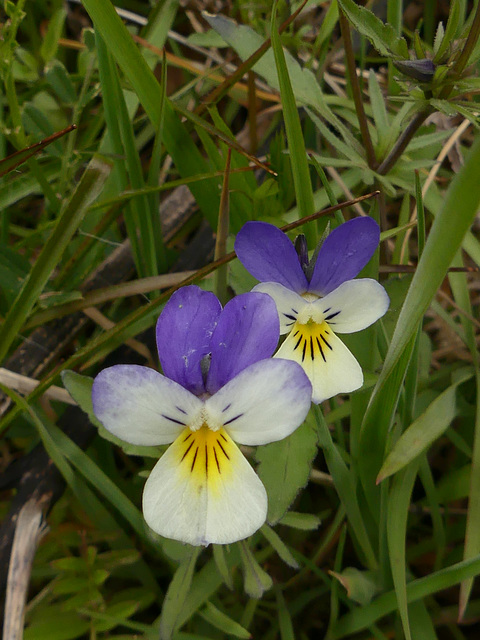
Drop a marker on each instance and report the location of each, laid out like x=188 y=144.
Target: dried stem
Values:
x=470 y=43
x=403 y=141
x=357 y=94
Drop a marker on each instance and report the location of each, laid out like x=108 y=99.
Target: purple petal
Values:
x=184 y=333
x=247 y=331
x=344 y=254
x=267 y=253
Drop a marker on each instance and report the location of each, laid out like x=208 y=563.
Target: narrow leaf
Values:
x=423 y=431
x=177 y=595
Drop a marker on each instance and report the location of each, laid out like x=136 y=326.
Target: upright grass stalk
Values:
x=296 y=143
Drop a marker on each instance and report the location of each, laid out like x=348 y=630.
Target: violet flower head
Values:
x=317 y=300
x=219 y=387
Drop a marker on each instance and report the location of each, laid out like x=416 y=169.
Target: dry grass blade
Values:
x=19 y=157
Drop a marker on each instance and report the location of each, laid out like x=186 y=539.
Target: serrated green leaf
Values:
x=450 y=31
x=439 y=37
x=382 y=36
x=284 y=467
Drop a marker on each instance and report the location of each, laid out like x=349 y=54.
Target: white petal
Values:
x=354 y=305
x=289 y=304
x=266 y=402
x=327 y=362
x=203 y=491
x=140 y=406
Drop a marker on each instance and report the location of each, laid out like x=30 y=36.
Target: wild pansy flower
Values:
x=218 y=388
x=317 y=299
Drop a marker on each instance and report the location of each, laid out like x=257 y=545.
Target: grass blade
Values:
x=296 y=144
x=73 y=212
x=446 y=236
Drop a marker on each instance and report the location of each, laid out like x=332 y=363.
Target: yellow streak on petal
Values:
x=205 y=457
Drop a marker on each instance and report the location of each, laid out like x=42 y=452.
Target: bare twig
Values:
x=357 y=94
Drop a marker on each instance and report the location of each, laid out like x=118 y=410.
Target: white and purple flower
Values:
x=219 y=387
x=317 y=299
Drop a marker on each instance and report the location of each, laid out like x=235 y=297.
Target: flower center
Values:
x=310 y=313
x=310 y=340
x=204 y=454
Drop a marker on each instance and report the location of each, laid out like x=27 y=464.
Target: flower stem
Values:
x=357 y=94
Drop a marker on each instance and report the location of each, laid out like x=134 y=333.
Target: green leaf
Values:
x=284 y=468
x=380 y=116
x=423 y=431
x=279 y=546
x=221 y=621
x=446 y=235
x=284 y=618
x=346 y=488
x=245 y=41
x=382 y=36
x=302 y=521
x=176 y=595
x=364 y=617
x=219 y=556
x=446 y=41
x=57 y=77
x=296 y=143
x=185 y=153
x=397 y=514
x=256 y=579
x=49 y=46
x=56 y=625
x=361 y=586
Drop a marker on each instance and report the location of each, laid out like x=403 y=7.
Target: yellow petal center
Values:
x=310 y=341
x=205 y=455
